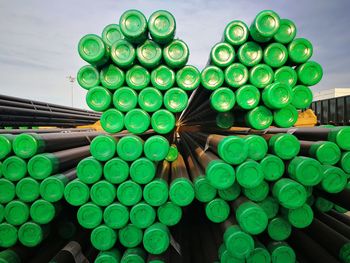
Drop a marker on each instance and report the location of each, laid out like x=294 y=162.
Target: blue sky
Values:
x=39 y=38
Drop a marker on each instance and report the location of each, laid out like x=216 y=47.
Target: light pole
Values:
x=71 y=79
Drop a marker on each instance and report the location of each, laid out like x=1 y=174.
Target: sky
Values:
x=38 y=43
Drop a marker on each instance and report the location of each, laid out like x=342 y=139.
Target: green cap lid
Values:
x=8 y=255
x=169 y=214
x=236 y=33
x=233 y=150
x=323 y=205
x=204 y=191
x=286 y=75
x=161 y=26
x=130 y=147
x=103 y=237
x=181 y=192
x=130 y=236
x=251 y=218
x=220 y=174
x=222 y=99
x=277 y=95
x=310 y=73
x=286 y=146
x=27 y=145
x=340 y=209
x=270 y=206
x=334 y=179
x=137 y=77
x=89 y=215
x=259 y=254
x=27 y=189
x=217 y=210
x=8 y=235
x=111 y=256
x=344 y=253
x=300 y=50
x=89 y=170
x=250 y=54
x=275 y=55
x=289 y=193
x=172 y=153
x=14 y=168
x=257 y=193
x=340 y=136
x=266 y=23
x=112 y=121
x=112 y=77
x=257 y=147
x=224 y=120
x=176 y=54
x=103 y=193
x=261 y=75
x=5 y=145
x=123 y=53
x=188 y=78
x=345 y=162
x=285 y=117
x=133 y=25
x=237 y=242
x=88 y=77
x=286 y=32
x=42 y=165
x=42 y=212
x=162 y=78
x=142 y=215
x=259 y=118
x=301 y=217
x=116 y=216
x=222 y=55
x=247 y=97
x=2 y=213
x=272 y=167
x=98 y=98
x=76 y=193
x=155 y=192
x=103 y=147
x=156 y=148
x=305 y=170
x=150 y=99
x=7 y=191
x=136 y=255
x=302 y=97
x=163 y=121
x=16 y=212
x=225 y=256
x=111 y=33
x=149 y=54
x=129 y=193
x=116 y=170
x=52 y=188
x=137 y=121
x=279 y=229
x=142 y=170
x=175 y=100
x=92 y=49
x=156 y=239
x=212 y=77
x=236 y=75
x=231 y=193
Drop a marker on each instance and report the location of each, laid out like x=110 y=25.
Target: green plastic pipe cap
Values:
x=260 y=255
x=250 y=54
x=340 y=136
x=277 y=95
x=169 y=214
x=231 y=193
x=289 y=193
x=272 y=167
x=116 y=216
x=16 y=212
x=334 y=179
x=163 y=121
x=267 y=23
x=286 y=32
x=302 y=97
x=129 y=193
x=27 y=189
x=89 y=170
x=270 y=206
x=142 y=215
x=137 y=77
x=225 y=256
x=258 y=193
x=76 y=193
x=52 y=188
x=111 y=256
x=251 y=218
x=30 y=234
x=156 y=239
x=279 y=229
x=9 y=255
x=323 y=205
x=8 y=235
x=2 y=213
x=286 y=146
x=301 y=217
x=149 y=54
x=14 y=168
x=212 y=77
x=103 y=147
x=181 y=192
x=133 y=25
x=325 y=152
x=111 y=33
x=176 y=54
x=123 y=53
x=175 y=100
x=89 y=215
x=233 y=150
x=130 y=236
x=188 y=78
x=98 y=98
x=162 y=26
x=7 y=191
x=103 y=238
x=136 y=255
x=130 y=147
x=103 y=193
x=257 y=147
x=259 y=118
x=163 y=78
x=220 y=174
x=42 y=212
x=236 y=33
x=285 y=117
x=204 y=191
x=237 y=242
x=217 y=210
x=5 y=145
x=137 y=121
x=344 y=253
x=156 y=148
x=112 y=121
x=116 y=170
x=150 y=99
x=236 y=75
x=222 y=99
x=92 y=49
x=156 y=192
x=224 y=120
x=26 y=145
x=247 y=97
x=300 y=50
x=345 y=162
x=112 y=77
x=261 y=75
x=142 y=170
x=286 y=75
x=310 y=73
x=88 y=77
x=275 y=55
x=222 y=55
